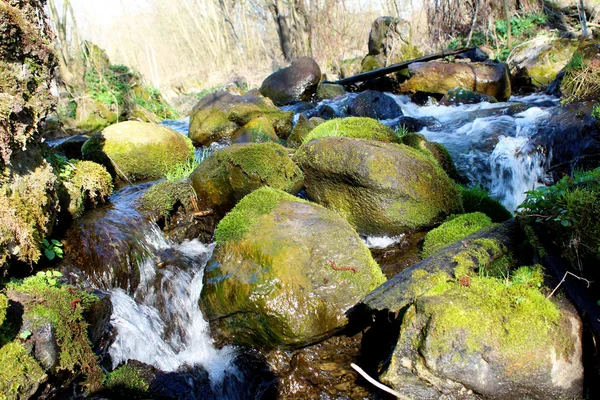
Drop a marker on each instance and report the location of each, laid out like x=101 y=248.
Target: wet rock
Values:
x=88 y=186
x=298 y=82
x=572 y=135
x=98 y=319
x=353 y=127
x=44 y=346
x=219 y=115
x=71 y=147
x=380 y=188
x=284 y=272
x=136 y=150
x=323 y=111
x=491 y=79
x=410 y=124
x=300 y=131
x=375 y=105
x=256 y=131
x=463 y=96
x=329 y=91
x=228 y=175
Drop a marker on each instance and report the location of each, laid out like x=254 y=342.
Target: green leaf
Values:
x=52 y=282
x=25 y=334
x=564 y=222
x=56 y=274
x=49 y=253
x=41 y=274
x=58 y=251
x=45 y=243
x=56 y=243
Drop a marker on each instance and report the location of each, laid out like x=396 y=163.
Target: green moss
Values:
x=498 y=268
x=478 y=254
x=165 y=197
x=245 y=214
x=370 y=63
x=89 y=183
x=436 y=152
x=63 y=306
x=127 y=381
x=20 y=374
x=452 y=231
x=511 y=315
x=3 y=307
x=353 y=127
x=477 y=199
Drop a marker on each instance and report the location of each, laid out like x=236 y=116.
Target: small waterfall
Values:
x=487 y=142
x=161 y=324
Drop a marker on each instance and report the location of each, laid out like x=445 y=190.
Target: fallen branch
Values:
x=565 y=277
x=378 y=384
x=365 y=76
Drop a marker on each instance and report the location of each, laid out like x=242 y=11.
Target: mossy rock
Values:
x=492 y=79
x=301 y=130
x=581 y=80
x=228 y=175
x=436 y=151
x=93 y=116
x=380 y=188
x=220 y=114
x=330 y=90
x=138 y=150
x=542 y=58
x=371 y=63
x=53 y=315
x=453 y=230
x=89 y=184
x=501 y=338
x=284 y=272
x=258 y=130
x=354 y=127
x=28 y=207
x=20 y=375
x=128 y=380
x=163 y=199
x=477 y=199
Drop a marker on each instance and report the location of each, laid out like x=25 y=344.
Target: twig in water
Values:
x=563 y=279
x=378 y=384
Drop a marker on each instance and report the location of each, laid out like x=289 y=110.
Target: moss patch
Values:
x=512 y=314
x=63 y=306
x=436 y=152
x=20 y=374
x=164 y=198
x=127 y=380
x=353 y=127
x=89 y=183
x=246 y=213
x=452 y=231
x=3 y=306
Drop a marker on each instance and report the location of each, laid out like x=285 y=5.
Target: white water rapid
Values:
x=162 y=324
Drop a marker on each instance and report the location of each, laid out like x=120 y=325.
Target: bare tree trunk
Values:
x=582 y=18
x=508 y=27
x=293 y=28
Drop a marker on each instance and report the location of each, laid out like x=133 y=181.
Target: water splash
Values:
x=381 y=242
x=162 y=324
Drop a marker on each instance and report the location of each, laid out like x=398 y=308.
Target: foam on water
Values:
x=381 y=242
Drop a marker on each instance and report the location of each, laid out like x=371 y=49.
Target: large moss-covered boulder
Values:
x=435 y=151
x=381 y=188
x=353 y=127
x=284 y=272
x=492 y=79
x=498 y=337
x=542 y=58
x=228 y=175
x=298 y=82
x=221 y=114
x=138 y=150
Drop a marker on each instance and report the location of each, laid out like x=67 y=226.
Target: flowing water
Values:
x=159 y=322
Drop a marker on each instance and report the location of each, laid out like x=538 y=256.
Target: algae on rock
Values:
x=380 y=188
x=284 y=272
x=354 y=127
